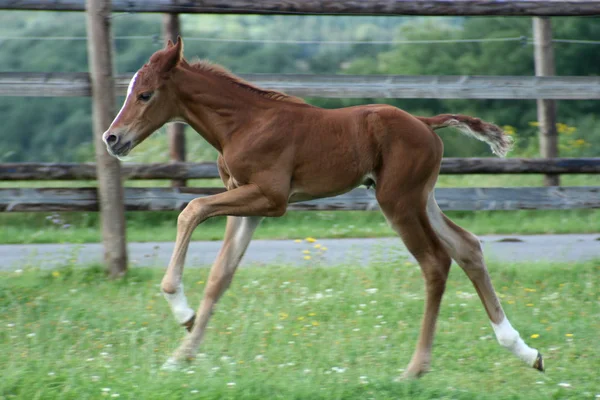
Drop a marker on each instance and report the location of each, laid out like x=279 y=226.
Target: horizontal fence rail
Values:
x=208 y=170
x=342 y=86
x=165 y=199
x=328 y=7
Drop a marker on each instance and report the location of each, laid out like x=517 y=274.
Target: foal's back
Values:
x=337 y=150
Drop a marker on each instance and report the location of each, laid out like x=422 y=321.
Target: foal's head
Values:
x=150 y=102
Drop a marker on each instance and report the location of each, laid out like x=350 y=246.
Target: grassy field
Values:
x=161 y=226
x=297 y=333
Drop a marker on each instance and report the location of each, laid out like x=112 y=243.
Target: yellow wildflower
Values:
x=297 y=241
x=310 y=239
x=569 y=335
x=509 y=130
x=312 y=314
x=324 y=248
x=307 y=257
x=55 y=274
x=535 y=336
x=315 y=323
x=305 y=251
x=317 y=246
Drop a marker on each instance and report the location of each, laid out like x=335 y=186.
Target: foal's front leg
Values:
x=246 y=200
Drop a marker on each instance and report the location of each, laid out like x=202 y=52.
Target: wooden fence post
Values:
x=110 y=189
x=175 y=131
x=546 y=109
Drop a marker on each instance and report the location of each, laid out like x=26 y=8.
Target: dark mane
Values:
x=206 y=66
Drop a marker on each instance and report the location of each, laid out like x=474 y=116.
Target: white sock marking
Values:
x=509 y=338
x=179 y=305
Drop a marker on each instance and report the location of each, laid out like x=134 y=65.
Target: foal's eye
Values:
x=145 y=96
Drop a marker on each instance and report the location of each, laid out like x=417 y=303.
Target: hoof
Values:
x=410 y=375
x=190 y=323
x=539 y=363
x=413 y=373
x=171 y=365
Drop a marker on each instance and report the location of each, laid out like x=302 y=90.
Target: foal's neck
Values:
x=211 y=105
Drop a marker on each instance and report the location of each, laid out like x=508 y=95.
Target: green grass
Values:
x=296 y=333
x=22 y=228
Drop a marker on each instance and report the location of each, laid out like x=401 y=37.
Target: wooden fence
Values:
x=169 y=199
x=163 y=199
x=329 y=7
x=208 y=170
x=342 y=86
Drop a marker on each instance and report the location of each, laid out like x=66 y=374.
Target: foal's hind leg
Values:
x=407 y=216
x=465 y=249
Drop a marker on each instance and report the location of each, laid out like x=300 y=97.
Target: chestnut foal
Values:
x=275 y=149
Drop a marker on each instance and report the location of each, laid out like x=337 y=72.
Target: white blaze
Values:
x=129 y=90
x=131 y=84
x=509 y=338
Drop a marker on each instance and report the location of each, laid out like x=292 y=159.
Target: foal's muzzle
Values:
x=115 y=146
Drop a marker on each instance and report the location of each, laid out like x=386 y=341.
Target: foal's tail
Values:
x=493 y=135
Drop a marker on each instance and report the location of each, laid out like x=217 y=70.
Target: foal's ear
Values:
x=172 y=55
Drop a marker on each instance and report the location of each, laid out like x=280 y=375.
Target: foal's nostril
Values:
x=112 y=139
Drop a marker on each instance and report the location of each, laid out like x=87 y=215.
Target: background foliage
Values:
x=59 y=129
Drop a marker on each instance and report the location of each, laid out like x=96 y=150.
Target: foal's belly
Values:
x=320 y=188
